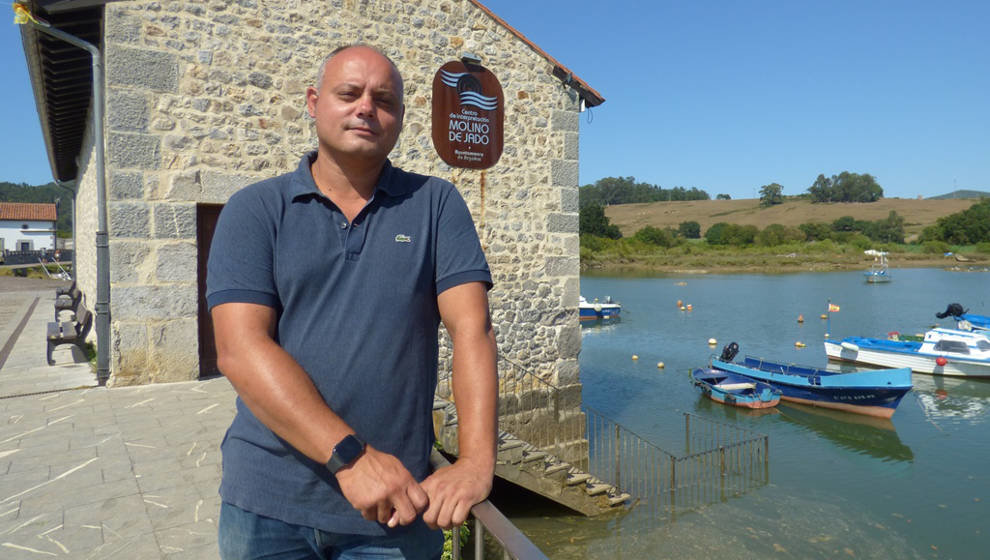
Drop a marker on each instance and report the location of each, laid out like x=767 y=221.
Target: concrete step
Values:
x=595 y=489
x=618 y=499
x=576 y=477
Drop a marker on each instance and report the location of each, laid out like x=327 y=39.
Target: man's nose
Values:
x=366 y=106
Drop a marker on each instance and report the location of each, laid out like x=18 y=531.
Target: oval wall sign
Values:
x=468 y=111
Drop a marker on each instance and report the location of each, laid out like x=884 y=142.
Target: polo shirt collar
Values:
x=303 y=184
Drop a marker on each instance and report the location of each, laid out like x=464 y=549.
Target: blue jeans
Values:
x=245 y=536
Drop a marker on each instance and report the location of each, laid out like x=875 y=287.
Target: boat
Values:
x=942 y=351
x=599 y=311
x=965 y=321
x=736 y=390
x=878 y=272
x=870 y=392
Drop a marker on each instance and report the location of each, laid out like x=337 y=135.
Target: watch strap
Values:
x=345 y=452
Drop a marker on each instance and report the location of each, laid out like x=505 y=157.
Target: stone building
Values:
x=204 y=97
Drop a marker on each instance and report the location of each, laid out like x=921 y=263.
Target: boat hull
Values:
x=600 y=312
x=735 y=390
x=903 y=354
x=872 y=393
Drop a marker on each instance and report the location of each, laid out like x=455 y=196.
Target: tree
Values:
x=723 y=196
x=655 y=236
x=777 y=234
x=771 y=194
x=816 y=231
x=845 y=187
x=821 y=189
x=593 y=221
x=689 y=230
x=962 y=228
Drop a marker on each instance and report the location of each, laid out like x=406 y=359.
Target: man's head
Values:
x=357 y=104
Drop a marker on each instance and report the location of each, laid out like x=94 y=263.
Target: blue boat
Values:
x=870 y=392
x=736 y=390
x=599 y=311
x=879 y=273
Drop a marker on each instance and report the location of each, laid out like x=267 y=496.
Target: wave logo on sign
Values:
x=468 y=90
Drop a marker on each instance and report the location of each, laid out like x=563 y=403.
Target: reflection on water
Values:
x=947 y=398
x=875 y=437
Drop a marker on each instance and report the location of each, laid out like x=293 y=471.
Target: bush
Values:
x=935 y=247
x=983 y=247
x=690 y=230
x=655 y=236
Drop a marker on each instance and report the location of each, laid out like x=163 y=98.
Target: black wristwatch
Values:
x=345 y=452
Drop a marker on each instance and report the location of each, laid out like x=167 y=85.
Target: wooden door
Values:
x=206 y=222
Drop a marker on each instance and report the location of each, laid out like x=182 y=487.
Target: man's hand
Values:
x=452 y=490
x=379 y=486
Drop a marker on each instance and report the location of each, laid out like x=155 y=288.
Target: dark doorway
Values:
x=206 y=222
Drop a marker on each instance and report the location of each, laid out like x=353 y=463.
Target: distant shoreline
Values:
x=745 y=264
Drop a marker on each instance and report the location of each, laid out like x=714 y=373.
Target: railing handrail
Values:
x=513 y=541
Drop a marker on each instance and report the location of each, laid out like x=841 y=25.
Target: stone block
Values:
x=176 y=263
x=570 y=199
x=130 y=346
x=175 y=351
x=126 y=185
x=571 y=145
x=562 y=266
x=562 y=223
x=127 y=111
x=218 y=187
x=175 y=221
x=140 y=151
x=121 y=28
x=141 y=303
x=128 y=261
x=569 y=341
x=184 y=186
x=564 y=172
x=569 y=121
x=140 y=68
x=129 y=219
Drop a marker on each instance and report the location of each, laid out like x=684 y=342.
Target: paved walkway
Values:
x=88 y=472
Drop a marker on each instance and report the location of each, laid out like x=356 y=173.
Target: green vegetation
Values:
x=52 y=193
x=771 y=194
x=966 y=227
x=845 y=187
x=625 y=190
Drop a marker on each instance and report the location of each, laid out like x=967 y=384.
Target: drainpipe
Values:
x=102 y=240
x=72 y=210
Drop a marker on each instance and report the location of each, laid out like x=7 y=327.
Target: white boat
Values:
x=947 y=352
x=599 y=311
x=878 y=272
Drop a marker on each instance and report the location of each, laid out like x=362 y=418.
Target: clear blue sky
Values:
x=729 y=96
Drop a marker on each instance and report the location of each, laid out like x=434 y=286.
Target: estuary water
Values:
x=840 y=485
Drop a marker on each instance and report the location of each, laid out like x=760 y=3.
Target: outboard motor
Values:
x=954 y=309
x=729 y=352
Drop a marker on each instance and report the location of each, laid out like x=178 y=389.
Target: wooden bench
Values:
x=68 y=301
x=69 y=332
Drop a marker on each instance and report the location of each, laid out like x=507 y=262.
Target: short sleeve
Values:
x=460 y=258
x=241 y=262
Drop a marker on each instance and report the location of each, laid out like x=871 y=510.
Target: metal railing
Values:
x=488 y=519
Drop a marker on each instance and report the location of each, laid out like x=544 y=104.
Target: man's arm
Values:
x=454 y=489
x=281 y=394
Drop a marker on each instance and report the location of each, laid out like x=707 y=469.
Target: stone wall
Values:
x=206 y=97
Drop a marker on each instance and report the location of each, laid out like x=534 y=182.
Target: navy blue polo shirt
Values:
x=357 y=308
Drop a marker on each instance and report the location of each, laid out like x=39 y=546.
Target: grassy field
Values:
x=917 y=214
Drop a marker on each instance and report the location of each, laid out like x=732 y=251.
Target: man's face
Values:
x=358 y=108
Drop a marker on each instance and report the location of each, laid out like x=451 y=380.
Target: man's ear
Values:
x=312 y=96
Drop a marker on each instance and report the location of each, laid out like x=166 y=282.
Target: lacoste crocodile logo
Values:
x=402 y=238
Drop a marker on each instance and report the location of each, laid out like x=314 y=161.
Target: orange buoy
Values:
x=941 y=360
x=689 y=307
x=680 y=303
x=800 y=318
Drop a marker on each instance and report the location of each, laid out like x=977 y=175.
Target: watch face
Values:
x=344 y=453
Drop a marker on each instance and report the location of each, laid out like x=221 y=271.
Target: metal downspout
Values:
x=102 y=240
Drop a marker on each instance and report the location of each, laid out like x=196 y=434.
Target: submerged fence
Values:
x=717 y=461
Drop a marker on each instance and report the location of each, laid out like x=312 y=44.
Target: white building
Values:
x=26 y=226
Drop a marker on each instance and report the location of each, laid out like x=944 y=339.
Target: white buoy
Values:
x=799 y=344
x=712 y=342
x=659 y=365
x=635 y=357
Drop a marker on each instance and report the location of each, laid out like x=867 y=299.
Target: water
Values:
x=840 y=485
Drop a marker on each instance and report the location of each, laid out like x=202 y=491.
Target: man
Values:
x=326 y=288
